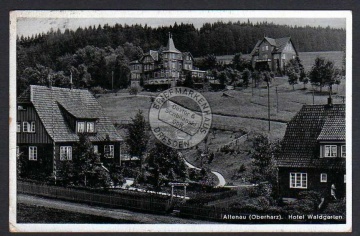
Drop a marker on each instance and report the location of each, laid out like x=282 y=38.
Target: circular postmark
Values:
x=175 y=125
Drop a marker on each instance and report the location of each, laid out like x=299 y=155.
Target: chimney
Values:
x=330 y=103
x=330 y=100
x=49 y=81
x=71 y=82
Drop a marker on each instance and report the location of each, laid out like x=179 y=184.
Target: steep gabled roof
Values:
x=50 y=102
x=271 y=41
x=281 y=44
x=170 y=47
x=256 y=47
x=300 y=146
x=334 y=129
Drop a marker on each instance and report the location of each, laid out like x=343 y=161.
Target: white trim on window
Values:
x=32 y=127
x=25 y=126
x=96 y=148
x=330 y=151
x=298 y=180
x=80 y=126
x=323 y=178
x=109 y=151
x=65 y=153
x=33 y=153
x=343 y=150
x=90 y=127
x=18 y=127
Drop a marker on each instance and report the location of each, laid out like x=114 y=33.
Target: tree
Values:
x=263 y=153
x=137 y=136
x=323 y=73
x=164 y=164
x=246 y=75
x=295 y=71
x=189 y=82
x=85 y=167
x=209 y=62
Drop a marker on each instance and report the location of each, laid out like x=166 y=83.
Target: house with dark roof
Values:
x=313 y=153
x=274 y=53
x=49 y=121
x=165 y=66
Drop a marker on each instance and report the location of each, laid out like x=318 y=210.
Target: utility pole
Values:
x=313 y=95
x=268 y=85
x=277 y=102
x=112 y=80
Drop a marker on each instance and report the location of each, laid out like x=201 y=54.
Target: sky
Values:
x=30 y=26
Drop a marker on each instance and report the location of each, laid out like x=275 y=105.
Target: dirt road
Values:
x=143 y=218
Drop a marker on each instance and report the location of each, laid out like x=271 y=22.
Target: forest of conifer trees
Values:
x=92 y=54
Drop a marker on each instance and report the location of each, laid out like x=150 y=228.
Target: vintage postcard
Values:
x=180 y=121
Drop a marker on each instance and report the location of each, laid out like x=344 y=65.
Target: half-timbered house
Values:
x=314 y=152
x=274 y=53
x=49 y=121
x=165 y=66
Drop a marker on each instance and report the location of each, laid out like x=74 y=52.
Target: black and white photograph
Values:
x=180 y=121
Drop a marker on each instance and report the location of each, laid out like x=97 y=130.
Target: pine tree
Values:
x=164 y=164
x=137 y=136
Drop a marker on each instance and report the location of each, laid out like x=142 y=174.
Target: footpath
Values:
x=114 y=213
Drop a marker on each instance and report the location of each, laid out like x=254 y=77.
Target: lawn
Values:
x=243 y=110
x=308 y=58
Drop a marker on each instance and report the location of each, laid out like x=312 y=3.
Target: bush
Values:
x=133 y=91
x=98 y=90
x=336 y=208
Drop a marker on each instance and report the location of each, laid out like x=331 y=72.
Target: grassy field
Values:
x=308 y=58
x=244 y=109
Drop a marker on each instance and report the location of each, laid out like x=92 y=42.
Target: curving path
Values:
x=221 y=178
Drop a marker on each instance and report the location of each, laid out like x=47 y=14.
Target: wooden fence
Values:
x=112 y=199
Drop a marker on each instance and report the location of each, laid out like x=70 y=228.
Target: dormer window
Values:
x=90 y=127
x=330 y=151
x=81 y=127
x=86 y=127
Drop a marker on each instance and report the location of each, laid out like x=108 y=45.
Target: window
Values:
x=25 y=126
x=21 y=108
x=323 y=177
x=32 y=153
x=32 y=127
x=298 y=180
x=18 y=127
x=96 y=149
x=17 y=151
x=109 y=151
x=65 y=153
x=90 y=127
x=330 y=151
x=266 y=48
x=344 y=179
x=81 y=127
x=343 y=150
